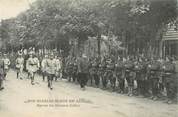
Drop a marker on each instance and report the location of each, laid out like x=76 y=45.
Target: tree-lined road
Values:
x=93 y=102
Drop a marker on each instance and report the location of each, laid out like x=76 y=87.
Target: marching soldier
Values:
x=32 y=66
x=119 y=70
x=19 y=65
x=44 y=67
x=129 y=75
x=170 y=79
x=154 y=68
x=51 y=69
x=6 y=64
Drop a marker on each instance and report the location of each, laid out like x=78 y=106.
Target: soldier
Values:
x=19 y=65
x=32 y=66
x=140 y=69
x=1 y=73
x=44 y=66
x=170 y=80
x=94 y=72
x=154 y=68
x=119 y=70
x=6 y=65
x=51 y=68
x=58 y=67
x=109 y=74
x=83 y=71
x=69 y=69
x=129 y=75
x=75 y=69
x=101 y=71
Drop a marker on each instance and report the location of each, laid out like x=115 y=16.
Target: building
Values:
x=170 y=40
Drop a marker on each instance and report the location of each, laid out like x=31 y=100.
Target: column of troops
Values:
x=140 y=76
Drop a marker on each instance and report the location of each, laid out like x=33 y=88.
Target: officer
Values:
x=119 y=71
x=83 y=71
x=33 y=66
x=170 y=79
x=6 y=64
x=129 y=74
x=51 y=68
x=44 y=66
x=19 y=65
x=154 y=68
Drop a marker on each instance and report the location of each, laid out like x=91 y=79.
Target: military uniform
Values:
x=140 y=77
x=32 y=66
x=170 y=81
x=109 y=74
x=83 y=71
x=74 y=71
x=120 y=75
x=1 y=74
x=94 y=71
x=154 y=68
x=50 y=69
x=101 y=72
x=44 y=67
x=19 y=66
x=6 y=66
x=129 y=75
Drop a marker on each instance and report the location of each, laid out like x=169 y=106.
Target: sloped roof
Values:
x=171 y=34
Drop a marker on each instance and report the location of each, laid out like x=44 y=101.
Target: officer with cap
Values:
x=32 y=65
x=51 y=68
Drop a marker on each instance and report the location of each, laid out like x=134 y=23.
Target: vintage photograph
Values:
x=88 y=58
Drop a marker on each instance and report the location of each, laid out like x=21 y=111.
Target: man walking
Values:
x=19 y=65
x=83 y=71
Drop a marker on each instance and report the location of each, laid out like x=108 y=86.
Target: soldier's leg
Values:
x=48 y=77
x=51 y=80
x=171 y=91
x=138 y=87
x=155 y=88
x=18 y=73
x=96 y=78
x=122 y=84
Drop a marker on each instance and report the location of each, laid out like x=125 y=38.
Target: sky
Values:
x=11 y=8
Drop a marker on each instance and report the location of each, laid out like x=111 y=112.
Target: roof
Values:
x=171 y=34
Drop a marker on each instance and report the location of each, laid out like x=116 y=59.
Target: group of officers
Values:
x=131 y=75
